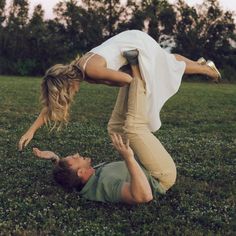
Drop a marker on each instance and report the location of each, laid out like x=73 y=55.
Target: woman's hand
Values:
x=44 y=154
x=123 y=149
x=25 y=139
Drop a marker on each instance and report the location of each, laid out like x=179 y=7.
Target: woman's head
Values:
x=58 y=88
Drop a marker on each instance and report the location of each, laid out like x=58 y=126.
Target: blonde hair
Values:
x=56 y=92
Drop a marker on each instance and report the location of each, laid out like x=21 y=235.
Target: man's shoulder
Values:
x=116 y=169
x=115 y=164
x=106 y=172
x=105 y=185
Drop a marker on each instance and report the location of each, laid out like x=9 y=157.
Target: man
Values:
x=121 y=181
x=125 y=181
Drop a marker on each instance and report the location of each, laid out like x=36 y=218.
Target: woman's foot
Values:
x=213 y=72
x=201 y=61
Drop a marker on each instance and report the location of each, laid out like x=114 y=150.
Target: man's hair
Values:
x=66 y=177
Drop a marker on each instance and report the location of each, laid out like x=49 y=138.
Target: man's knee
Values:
x=170 y=180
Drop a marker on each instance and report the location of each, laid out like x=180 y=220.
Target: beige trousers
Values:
x=129 y=118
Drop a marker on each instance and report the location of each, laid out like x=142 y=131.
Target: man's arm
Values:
x=138 y=190
x=48 y=155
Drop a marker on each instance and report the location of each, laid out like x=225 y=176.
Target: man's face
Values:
x=76 y=161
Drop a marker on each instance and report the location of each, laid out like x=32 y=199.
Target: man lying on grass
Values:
x=120 y=181
x=124 y=181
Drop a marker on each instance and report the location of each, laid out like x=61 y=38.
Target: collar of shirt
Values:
x=99 y=165
x=91 y=181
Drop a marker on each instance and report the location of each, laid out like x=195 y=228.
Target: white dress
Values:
x=160 y=70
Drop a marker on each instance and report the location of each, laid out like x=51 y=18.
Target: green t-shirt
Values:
x=105 y=185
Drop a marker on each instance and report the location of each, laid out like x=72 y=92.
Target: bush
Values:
x=228 y=74
x=5 y=66
x=25 y=67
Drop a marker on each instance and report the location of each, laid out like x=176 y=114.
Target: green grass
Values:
x=199 y=131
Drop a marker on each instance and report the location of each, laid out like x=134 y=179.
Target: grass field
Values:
x=199 y=131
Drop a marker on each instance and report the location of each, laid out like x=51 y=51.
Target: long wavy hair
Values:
x=57 y=92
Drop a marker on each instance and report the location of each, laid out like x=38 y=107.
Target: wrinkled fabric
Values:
x=160 y=70
x=106 y=184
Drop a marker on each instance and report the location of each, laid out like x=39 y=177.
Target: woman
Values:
x=161 y=71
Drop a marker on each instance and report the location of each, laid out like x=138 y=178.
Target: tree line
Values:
x=31 y=44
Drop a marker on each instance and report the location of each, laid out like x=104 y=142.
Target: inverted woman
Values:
x=161 y=71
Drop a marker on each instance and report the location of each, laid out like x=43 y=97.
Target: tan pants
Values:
x=129 y=118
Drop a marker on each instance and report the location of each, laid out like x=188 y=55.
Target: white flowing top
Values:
x=160 y=70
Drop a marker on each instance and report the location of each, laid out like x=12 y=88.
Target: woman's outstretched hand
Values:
x=25 y=139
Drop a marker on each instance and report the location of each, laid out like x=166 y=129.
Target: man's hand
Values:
x=44 y=154
x=123 y=149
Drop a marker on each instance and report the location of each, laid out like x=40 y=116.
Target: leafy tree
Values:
x=108 y=13
x=82 y=28
x=31 y=45
x=157 y=17
x=56 y=49
x=18 y=15
x=2 y=12
x=69 y=14
x=15 y=36
x=2 y=33
x=112 y=13
x=36 y=31
x=206 y=30
x=88 y=23
x=133 y=17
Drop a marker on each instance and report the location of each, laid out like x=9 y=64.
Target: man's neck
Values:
x=88 y=174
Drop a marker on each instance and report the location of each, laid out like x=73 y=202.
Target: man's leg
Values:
x=117 y=120
x=145 y=145
x=118 y=116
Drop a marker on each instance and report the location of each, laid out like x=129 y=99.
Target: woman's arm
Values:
x=96 y=69
x=27 y=137
x=104 y=75
x=106 y=82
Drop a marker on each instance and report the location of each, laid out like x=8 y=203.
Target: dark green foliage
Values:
x=29 y=45
x=206 y=31
x=198 y=130
x=157 y=17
